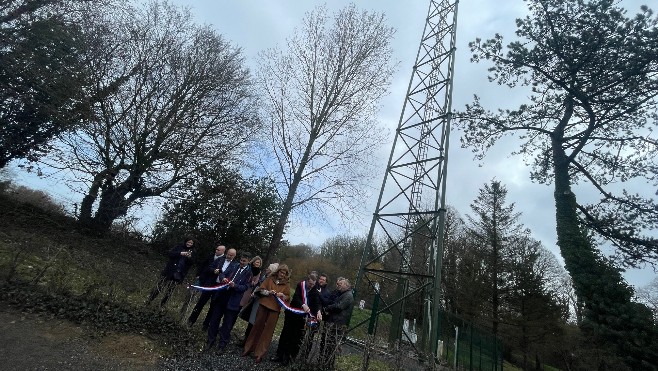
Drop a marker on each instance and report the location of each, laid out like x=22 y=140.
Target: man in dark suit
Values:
x=223 y=265
x=323 y=291
x=323 y=295
x=207 y=277
x=226 y=303
x=307 y=298
x=336 y=315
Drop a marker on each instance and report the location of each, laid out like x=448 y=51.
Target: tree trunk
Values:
x=495 y=246
x=288 y=204
x=112 y=203
x=86 y=206
x=111 y=206
x=608 y=312
x=280 y=226
x=576 y=250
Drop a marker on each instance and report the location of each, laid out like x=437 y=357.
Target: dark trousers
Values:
x=221 y=314
x=293 y=333
x=203 y=299
x=163 y=285
x=230 y=316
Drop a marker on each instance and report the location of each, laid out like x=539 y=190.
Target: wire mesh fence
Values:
x=462 y=345
x=465 y=346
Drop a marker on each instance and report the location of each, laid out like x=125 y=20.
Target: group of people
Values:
x=237 y=287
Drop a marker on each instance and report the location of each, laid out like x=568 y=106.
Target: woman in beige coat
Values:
x=260 y=336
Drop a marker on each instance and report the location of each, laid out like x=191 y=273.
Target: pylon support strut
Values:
x=402 y=259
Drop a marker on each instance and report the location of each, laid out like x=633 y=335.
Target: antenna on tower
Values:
x=400 y=270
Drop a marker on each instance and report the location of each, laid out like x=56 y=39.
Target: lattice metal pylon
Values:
x=400 y=271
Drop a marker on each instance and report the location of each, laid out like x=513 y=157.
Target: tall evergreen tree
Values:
x=42 y=76
x=592 y=73
x=518 y=305
x=494 y=226
x=533 y=316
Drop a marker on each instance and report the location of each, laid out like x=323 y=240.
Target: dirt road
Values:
x=37 y=342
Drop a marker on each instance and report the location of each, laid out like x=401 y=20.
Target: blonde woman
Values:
x=275 y=286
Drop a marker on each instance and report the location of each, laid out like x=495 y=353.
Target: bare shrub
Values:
x=16 y=257
x=49 y=261
x=32 y=197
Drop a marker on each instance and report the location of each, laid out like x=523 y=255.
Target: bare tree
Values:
x=180 y=99
x=558 y=283
x=322 y=93
x=648 y=295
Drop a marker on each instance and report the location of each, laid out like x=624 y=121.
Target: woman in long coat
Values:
x=275 y=286
x=256 y=279
x=250 y=305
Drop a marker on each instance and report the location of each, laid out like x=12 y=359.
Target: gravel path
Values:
x=229 y=360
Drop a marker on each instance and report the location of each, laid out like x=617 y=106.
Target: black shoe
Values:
x=276 y=359
x=207 y=348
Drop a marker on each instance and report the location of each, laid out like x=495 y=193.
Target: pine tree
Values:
x=493 y=227
x=592 y=75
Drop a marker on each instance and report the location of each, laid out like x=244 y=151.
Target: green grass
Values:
x=47 y=266
x=355 y=363
x=361 y=332
x=46 y=249
x=508 y=366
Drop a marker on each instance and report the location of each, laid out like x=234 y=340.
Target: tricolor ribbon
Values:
x=304 y=293
x=211 y=288
x=311 y=320
x=288 y=307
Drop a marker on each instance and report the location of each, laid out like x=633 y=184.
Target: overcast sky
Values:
x=255 y=25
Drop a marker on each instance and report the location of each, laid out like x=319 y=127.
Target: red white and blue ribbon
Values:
x=295 y=310
x=304 y=293
x=211 y=288
x=285 y=306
